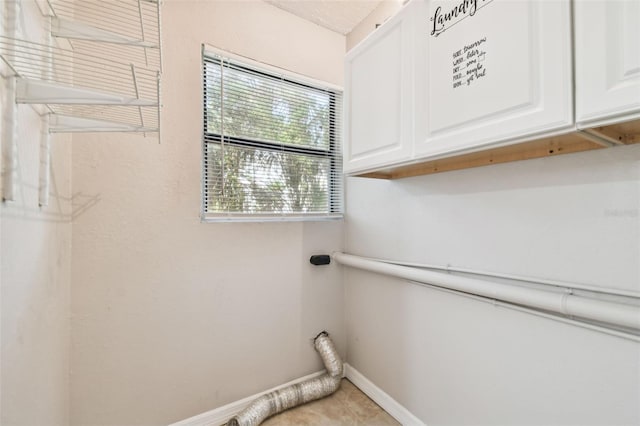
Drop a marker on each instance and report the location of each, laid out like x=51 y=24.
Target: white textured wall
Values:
x=36 y=266
x=453 y=361
x=35 y=274
x=172 y=317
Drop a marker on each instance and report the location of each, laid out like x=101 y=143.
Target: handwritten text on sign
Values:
x=468 y=63
x=445 y=19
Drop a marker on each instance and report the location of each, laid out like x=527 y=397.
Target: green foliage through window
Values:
x=271 y=145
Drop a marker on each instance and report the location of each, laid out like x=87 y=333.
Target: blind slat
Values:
x=271 y=145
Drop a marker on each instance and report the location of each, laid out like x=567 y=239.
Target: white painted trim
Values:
x=211 y=50
x=381 y=398
x=221 y=415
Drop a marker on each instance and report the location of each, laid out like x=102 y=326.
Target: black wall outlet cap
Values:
x=320 y=259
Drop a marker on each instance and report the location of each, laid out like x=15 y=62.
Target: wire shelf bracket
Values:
x=69 y=124
x=65 y=28
x=94 y=26
x=102 y=94
x=42 y=92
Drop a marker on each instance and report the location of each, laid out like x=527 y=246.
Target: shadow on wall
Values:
x=61 y=209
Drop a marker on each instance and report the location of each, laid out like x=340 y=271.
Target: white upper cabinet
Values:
x=491 y=72
x=378 y=98
x=607 y=52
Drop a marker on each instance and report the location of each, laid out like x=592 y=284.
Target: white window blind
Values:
x=271 y=145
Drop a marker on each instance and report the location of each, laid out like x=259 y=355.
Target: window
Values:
x=271 y=145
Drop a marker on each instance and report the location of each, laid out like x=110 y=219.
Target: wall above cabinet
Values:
x=489 y=82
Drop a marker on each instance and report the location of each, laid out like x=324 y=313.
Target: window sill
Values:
x=211 y=218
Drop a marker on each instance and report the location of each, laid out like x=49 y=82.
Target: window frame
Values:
x=334 y=152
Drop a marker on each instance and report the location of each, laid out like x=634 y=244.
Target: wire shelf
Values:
x=96 y=118
x=90 y=87
x=98 y=25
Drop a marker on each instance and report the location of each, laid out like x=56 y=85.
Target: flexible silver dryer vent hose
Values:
x=298 y=394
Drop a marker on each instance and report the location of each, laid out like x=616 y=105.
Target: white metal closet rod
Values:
x=619 y=314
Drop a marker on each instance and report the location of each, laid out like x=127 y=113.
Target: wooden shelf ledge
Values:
x=621 y=133
x=595 y=138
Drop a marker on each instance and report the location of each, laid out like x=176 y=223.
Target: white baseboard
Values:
x=380 y=397
x=221 y=415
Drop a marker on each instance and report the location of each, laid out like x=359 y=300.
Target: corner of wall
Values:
x=385 y=10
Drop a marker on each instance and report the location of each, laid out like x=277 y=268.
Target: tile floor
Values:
x=347 y=406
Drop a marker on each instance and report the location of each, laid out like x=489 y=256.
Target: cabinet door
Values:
x=607 y=50
x=491 y=72
x=378 y=97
